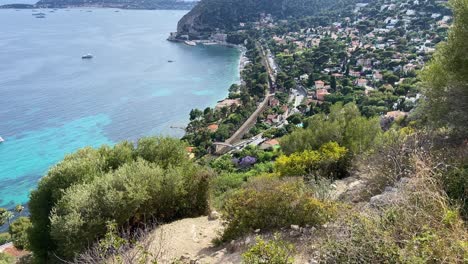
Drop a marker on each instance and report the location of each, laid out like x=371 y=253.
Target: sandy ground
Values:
x=190 y=241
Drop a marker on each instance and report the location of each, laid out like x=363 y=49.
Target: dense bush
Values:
x=329 y=161
x=275 y=251
x=19 y=232
x=343 y=125
x=82 y=166
x=224 y=184
x=128 y=185
x=4 y=238
x=6 y=259
x=445 y=78
x=268 y=203
x=456 y=185
x=132 y=193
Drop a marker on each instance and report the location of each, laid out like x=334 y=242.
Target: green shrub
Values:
x=93 y=186
x=223 y=184
x=82 y=166
x=132 y=194
x=343 y=125
x=19 y=232
x=275 y=251
x=269 y=203
x=330 y=161
x=456 y=186
x=6 y=259
x=4 y=238
x=223 y=164
x=163 y=151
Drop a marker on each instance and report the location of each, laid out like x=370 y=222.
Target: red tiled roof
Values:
x=213 y=127
x=189 y=149
x=272 y=142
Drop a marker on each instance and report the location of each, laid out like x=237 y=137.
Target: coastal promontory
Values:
x=213 y=15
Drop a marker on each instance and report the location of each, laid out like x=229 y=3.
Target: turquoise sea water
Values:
x=52 y=102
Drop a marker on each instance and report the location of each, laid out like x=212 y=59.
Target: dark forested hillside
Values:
x=209 y=15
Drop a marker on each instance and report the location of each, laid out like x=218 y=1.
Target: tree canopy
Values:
x=446 y=76
x=344 y=125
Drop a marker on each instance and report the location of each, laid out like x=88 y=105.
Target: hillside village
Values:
x=368 y=54
x=345 y=141
x=370 y=57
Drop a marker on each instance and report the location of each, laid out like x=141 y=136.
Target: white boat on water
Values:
x=1 y=140
x=87 y=56
x=190 y=43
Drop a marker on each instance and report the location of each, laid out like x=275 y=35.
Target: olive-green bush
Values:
x=6 y=259
x=18 y=230
x=267 y=203
x=125 y=184
x=4 y=238
x=344 y=125
x=275 y=251
x=456 y=185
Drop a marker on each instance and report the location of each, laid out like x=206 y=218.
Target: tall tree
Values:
x=445 y=79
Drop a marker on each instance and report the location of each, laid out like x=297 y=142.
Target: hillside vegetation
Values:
x=210 y=15
x=341 y=186
x=123 y=185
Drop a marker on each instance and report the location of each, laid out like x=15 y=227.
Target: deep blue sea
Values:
x=52 y=102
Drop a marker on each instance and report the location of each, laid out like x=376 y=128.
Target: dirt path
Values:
x=190 y=241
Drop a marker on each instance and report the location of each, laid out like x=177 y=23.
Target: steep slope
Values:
x=209 y=15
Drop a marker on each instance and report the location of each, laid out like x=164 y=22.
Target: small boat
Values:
x=170 y=61
x=1 y=140
x=87 y=56
x=190 y=43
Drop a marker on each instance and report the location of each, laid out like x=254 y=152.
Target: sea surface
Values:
x=52 y=102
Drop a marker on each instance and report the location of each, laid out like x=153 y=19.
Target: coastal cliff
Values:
x=212 y=15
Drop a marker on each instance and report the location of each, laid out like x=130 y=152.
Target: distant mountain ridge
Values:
x=130 y=4
x=209 y=15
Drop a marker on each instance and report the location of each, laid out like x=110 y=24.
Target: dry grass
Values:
x=421 y=226
x=126 y=247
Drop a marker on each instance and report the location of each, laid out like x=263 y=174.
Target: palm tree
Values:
x=8 y=216
x=5 y=216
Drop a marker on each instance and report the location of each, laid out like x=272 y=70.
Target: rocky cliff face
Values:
x=209 y=15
